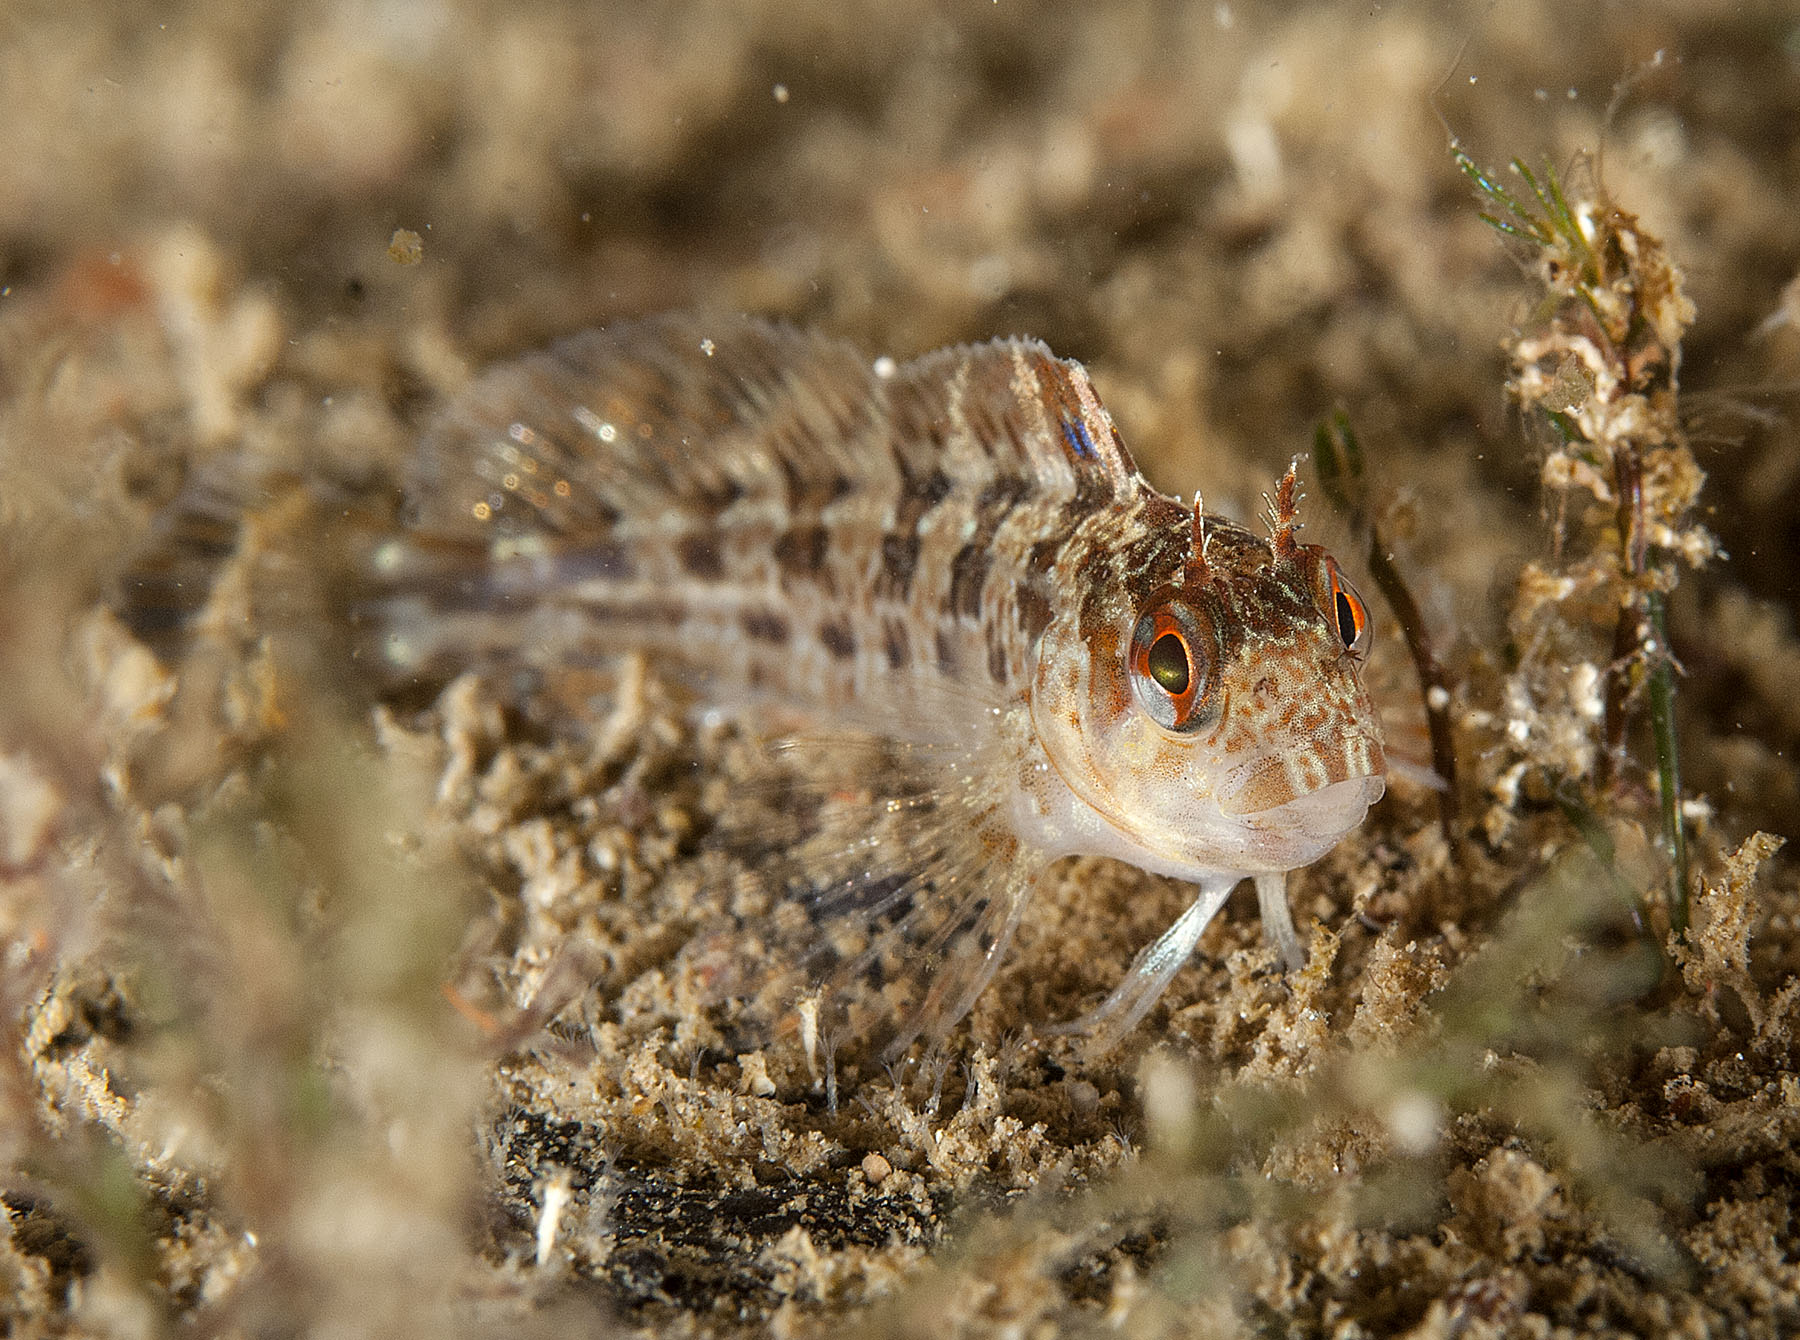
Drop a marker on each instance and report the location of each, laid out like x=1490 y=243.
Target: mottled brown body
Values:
x=956 y=556
x=833 y=536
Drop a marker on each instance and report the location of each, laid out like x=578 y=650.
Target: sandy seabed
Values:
x=340 y=1011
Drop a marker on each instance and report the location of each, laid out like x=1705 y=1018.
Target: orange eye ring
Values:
x=1349 y=616
x=1169 y=668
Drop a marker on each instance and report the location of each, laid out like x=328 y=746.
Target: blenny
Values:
x=951 y=568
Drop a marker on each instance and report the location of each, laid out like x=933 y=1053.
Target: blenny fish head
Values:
x=1201 y=697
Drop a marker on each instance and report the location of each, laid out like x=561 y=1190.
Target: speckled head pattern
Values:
x=956 y=554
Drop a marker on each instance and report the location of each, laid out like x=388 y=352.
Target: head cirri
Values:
x=1199 y=701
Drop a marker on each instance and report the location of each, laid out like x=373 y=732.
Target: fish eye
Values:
x=1169 y=669
x=1168 y=663
x=1348 y=613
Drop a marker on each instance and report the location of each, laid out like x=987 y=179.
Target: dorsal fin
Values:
x=633 y=419
x=698 y=414
x=1012 y=407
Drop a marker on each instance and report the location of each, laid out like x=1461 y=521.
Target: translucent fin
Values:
x=619 y=426
x=1151 y=971
x=1278 y=920
x=617 y=429
x=902 y=887
x=985 y=911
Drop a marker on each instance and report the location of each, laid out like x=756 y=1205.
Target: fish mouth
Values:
x=1332 y=810
x=1310 y=782
x=1299 y=831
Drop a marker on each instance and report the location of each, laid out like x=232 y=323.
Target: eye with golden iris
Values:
x=1347 y=611
x=1170 y=668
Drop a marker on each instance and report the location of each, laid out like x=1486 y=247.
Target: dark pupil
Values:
x=1169 y=664
x=1346 y=617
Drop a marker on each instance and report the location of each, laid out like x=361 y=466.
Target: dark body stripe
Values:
x=795 y=521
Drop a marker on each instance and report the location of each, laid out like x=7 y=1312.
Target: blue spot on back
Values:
x=1075 y=433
